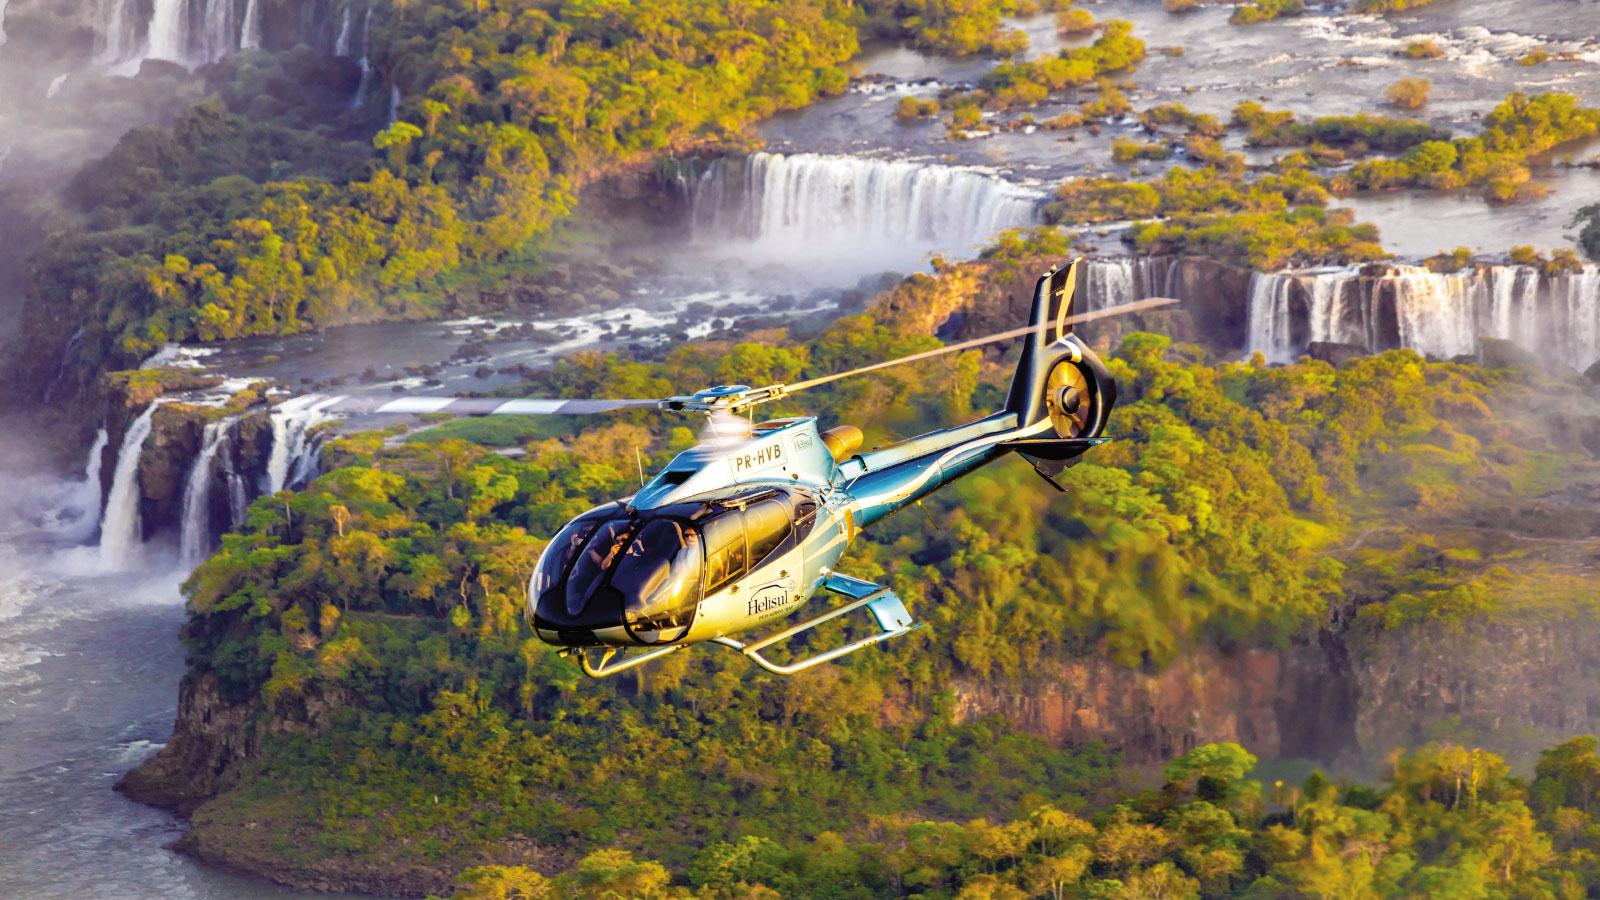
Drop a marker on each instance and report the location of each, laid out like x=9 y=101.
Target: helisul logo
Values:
x=766 y=600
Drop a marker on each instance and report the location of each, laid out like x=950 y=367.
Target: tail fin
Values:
x=1059 y=380
x=1052 y=303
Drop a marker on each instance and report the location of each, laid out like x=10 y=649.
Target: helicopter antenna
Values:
x=1136 y=306
x=639 y=461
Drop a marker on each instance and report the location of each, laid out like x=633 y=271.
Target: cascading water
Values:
x=878 y=214
x=68 y=357
x=250 y=38
x=341 y=44
x=120 y=39
x=3 y=21
x=1436 y=314
x=292 y=459
x=219 y=28
x=194 y=534
x=88 y=501
x=120 y=532
x=1112 y=282
x=366 y=68
x=177 y=31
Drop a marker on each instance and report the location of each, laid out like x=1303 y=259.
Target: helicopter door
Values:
x=726 y=553
x=776 y=560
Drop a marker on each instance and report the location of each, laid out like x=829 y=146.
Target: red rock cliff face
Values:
x=1257 y=698
x=1513 y=685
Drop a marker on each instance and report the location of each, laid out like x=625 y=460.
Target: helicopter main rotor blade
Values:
x=476 y=406
x=1108 y=312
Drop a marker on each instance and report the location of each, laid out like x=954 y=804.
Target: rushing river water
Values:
x=89 y=666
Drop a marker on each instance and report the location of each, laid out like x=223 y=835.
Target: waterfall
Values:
x=341 y=44
x=1436 y=314
x=89 y=499
x=1113 y=282
x=120 y=531
x=293 y=459
x=366 y=68
x=169 y=31
x=883 y=213
x=188 y=32
x=194 y=533
x=68 y=357
x=1269 y=326
x=238 y=500
x=1577 y=303
x=121 y=37
x=3 y=21
x=250 y=38
x=218 y=31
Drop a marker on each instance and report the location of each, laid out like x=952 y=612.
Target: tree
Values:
x=1224 y=761
x=1056 y=874
x=504 y=883
x=616 y=875
x=1409 y=93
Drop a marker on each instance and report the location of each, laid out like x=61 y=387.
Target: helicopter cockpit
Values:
x=617 y=576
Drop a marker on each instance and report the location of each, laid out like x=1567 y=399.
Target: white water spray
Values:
x=120 y=531
x=866 y=214
x=1436 y=314
x=250 y=38
x=293 y=458
x=194 y=534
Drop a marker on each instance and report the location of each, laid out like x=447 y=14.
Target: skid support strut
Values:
x=885 y=607
x=602 y=670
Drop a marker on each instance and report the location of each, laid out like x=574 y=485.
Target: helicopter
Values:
x=740 y=531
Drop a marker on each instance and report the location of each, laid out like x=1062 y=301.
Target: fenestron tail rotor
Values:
x=1067 y=394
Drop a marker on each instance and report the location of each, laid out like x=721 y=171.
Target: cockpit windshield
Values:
x=616 y=574
x=597 y=556
x=659 y=577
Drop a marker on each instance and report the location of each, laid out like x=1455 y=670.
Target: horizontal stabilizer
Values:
x=1054 y=448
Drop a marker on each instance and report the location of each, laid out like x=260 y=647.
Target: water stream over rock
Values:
x=1437 y=314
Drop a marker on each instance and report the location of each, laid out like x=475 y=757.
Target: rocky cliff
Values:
x=1294 y=702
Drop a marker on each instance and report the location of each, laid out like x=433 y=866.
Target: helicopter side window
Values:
x=725 y=549
x=805 y=517
x=597 y=555
x=768 y=524
x=659 y=576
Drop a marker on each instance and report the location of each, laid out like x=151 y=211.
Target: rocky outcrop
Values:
x=211 y=738
x=1216 y=295
x=1334 y=353
x=1277 y=703
x=1513 y=685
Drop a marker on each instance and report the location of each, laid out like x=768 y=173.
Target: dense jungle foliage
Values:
x=377 y=616
x=271 y=208
x=1451 y=824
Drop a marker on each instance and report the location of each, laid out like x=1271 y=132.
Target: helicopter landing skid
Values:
x=884 y=605
x=601 y=670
